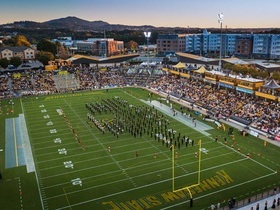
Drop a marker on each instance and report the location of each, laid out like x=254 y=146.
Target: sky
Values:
x=165 y=13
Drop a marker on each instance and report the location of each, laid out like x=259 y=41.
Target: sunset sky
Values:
x=170 y=13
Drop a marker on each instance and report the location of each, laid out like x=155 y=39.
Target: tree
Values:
x=44 y=57
x=9 y=42
x=47 y=46
x=21 y=40
x=131 y=45
x=4 y=63
x=18 y=40
x=276 y=75
x=15 y=61
x=62 y=51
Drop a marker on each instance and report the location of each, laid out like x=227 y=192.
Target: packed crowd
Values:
x=223 y=103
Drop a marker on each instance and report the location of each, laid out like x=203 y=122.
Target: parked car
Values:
x=25 y=65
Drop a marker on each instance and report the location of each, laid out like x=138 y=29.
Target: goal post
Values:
x=198 y=174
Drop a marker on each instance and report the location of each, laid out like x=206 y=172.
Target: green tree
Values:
x=9 y=42
x=47 y=46
x=16 y=61
x=276 y=75
x=44 y=57
x=4 y=62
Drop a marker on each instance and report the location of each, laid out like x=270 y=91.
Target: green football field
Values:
x=77 y=166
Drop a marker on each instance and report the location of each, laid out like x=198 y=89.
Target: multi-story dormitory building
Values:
x=168 y=44
x=261 y=46
x=24 y=53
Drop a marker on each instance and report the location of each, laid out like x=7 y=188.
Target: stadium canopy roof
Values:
x=271 y=85
x=190 y=68
x=180 y=65
x=84 y=59
x=201 y=70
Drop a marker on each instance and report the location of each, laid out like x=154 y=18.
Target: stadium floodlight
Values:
x=147 y=34
x=220 y=17
x=220 y=20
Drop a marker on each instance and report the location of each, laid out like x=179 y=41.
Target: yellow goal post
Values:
x=198 y=175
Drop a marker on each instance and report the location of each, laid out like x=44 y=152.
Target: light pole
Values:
x=105 y=43
x=220 y=20
x=148 y=35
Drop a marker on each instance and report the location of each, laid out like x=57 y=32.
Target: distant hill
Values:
x=26 y=24
x=77 y=24
x=74 y=23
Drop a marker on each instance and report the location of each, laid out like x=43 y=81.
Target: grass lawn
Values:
x=102 y=171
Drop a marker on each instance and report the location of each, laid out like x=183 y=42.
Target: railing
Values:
x=259 y=198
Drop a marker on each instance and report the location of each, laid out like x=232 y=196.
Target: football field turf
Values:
x=77 y=166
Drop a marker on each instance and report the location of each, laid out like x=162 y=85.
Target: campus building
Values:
x=244 y=46
x=65 y=40
x=274 y=50
x=93 y=46
x=24 y=53
x=259 y=46
x=168 y=44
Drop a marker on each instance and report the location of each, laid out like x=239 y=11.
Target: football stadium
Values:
x=82 y=139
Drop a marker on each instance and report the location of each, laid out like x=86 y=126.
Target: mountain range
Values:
x=74 y=23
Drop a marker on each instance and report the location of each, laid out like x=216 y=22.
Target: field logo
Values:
x=219 y=179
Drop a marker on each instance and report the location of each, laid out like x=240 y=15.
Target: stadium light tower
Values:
x=148 y=35
x=220 y=20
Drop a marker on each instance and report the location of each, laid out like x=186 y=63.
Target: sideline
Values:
x=29 y=160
